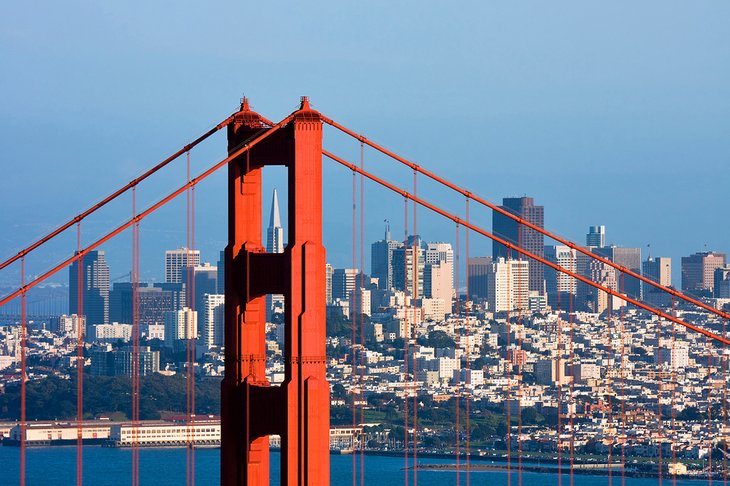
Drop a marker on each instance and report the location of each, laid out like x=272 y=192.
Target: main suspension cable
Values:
x=246 y=146
x=525 y=222
x=527 y=253
x=133 y=183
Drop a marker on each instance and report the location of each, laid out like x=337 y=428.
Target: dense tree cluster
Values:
x=54 y=398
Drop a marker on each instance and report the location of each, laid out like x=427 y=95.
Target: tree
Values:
x=437 y=339
x=338 y=391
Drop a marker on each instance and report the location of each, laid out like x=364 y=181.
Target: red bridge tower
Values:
x=251 y=409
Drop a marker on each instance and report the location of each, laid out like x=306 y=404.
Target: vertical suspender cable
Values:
x=406 y=327
x=609 y=385
x=724 y=404
x=559 y=387
x=135 y=372
x=193 y=338
x=508 y=384
x=623 y=386
x=362 y=312
x=23 y=376
x=189 y=269
x=469 y=344
x=416 y=292
x=660 y=422
x=674 y=393
x=79 y=367
x=353 y=315
x=189 y=262
x=709 y=410
x=189 y=330
x=571 y=399
x=459 y=384
x=519 y=354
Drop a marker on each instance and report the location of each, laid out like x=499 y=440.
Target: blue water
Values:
x=159 y=467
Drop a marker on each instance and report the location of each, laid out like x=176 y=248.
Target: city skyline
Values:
x=277 y=234
x=152 y=271
x=258 y=270
x=601 y=104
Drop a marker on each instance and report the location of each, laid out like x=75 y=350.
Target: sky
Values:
x=614 y=113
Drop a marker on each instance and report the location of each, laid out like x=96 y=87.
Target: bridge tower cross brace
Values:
x=252 y=409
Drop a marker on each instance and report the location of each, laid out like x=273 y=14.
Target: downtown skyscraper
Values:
x=381 y=259
x=521 y=236
x=178 y=260
x=94 y=286
x=274 y=244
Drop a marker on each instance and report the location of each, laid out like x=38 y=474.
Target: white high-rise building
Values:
x=658 y=269
x=589 y=297
x=508 y=285
x=439 y=252
x=438 y=278
x=359 y=305
x=344 y=281
x=180 y=325
x=408 y=267
x=558 y=284
x=176 y=260
x=68 y=324
x=212 y=314
x=113 y=332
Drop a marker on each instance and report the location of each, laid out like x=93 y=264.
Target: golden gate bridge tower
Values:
x=251 y=409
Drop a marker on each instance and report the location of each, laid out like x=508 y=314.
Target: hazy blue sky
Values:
x=614 y=113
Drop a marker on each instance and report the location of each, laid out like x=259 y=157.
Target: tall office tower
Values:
x=343 y=282
x=180 y=325
x=508 y=285
x=94 y=288
x=596 y=236
x=477 y=276
x=560 y=287
x=659 y=270
x=439 y=252
x=629 y=258
x=212 y=315
x=521 y=236
x=409 y=258
x=153 y=302
x=274 y=244
x=698 y=272
x=120 y=302
x=438 y=276
x=328 y=270
x=381 y=259
x=275 y=232
x=206 y=282
x=177 y=260
x=722 y=282
x=221 y=284
x=590 y=298
x=178 y=292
